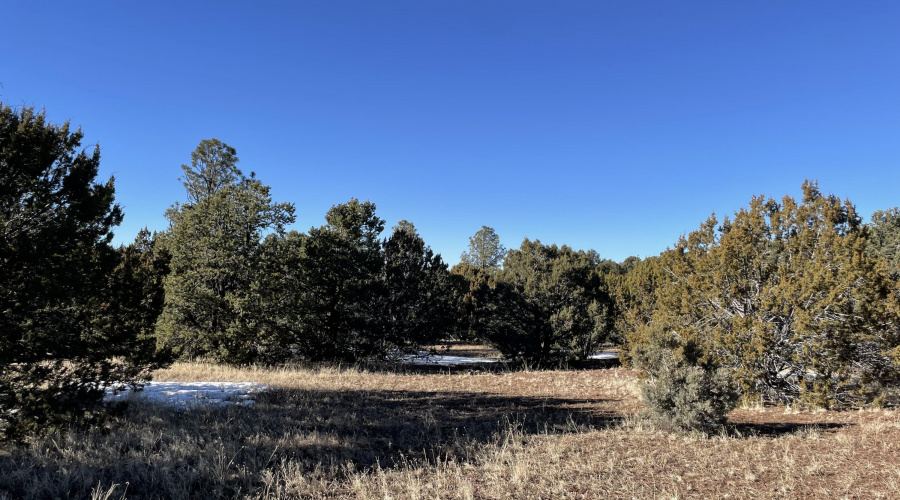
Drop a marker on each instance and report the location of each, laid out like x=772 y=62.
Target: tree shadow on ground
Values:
x=383 y=426
x=777 y=429
x=224 y=452
x=502 y=366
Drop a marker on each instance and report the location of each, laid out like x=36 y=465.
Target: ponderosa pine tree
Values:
x=67 y=330
x=485 y=251
x=213 y=305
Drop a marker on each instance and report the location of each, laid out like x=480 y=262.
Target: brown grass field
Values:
x=452 y=433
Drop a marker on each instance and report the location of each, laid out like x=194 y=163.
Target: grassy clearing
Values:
x=354 y=433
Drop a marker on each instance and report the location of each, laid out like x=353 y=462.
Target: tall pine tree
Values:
x=213 y=305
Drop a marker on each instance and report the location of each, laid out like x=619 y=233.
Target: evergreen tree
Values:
x=212 y=306
x=884 y=242
x=786 y=297
x=418 y=295
x=67 y=332
x=569 y=307
x=485 y=251
x=340 y=280
x=133 y=297
x=635 y=300
x=280 y=291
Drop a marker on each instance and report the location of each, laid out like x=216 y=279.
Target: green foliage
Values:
x=340 y=267
x=417 y=306
x=133 y=298
x=683 y=392
x=784 y=295
x=547 y=305
x=884 y=241
x=212 y=300
x=495 y=312
x=485 y=251
x=472 y=289
x=635 y=299
x=70 y=323
x=690 y=398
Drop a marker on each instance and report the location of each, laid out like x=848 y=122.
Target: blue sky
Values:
x=609 y=125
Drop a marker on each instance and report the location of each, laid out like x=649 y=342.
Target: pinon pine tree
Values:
x=212 y=299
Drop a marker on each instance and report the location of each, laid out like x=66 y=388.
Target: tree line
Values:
x=791 y=302
x=242 y=289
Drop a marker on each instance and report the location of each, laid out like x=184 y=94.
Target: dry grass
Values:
x=353 y=433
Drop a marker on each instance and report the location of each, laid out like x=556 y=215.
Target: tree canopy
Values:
x=68 y=319
x=485 y=250
x=785 y=296
x=212 y=307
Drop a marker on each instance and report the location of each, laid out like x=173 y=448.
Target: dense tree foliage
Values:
x=548 y=305
x=485 y=251
x=212 y=305
x=417 y=306
x=133 y=297
x=340 y=270
x=74 y=313
x=884 y=242
x=635 y=298
x=785 y=296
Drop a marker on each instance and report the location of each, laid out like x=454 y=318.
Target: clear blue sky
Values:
x=612 y=125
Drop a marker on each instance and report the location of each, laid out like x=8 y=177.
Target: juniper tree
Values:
x=417 y=302
x=885 y=238
x=569 y=307
x=340 y=270
x=69 y=326
x=787 y=298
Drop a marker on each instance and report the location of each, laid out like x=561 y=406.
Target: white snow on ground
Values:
x=188 y=394
x=424 y=358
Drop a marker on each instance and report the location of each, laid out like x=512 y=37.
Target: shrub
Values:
x=682 y=393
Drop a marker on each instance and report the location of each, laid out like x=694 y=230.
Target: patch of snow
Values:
x=188 y=394
x=604 y=355
x=424 y=358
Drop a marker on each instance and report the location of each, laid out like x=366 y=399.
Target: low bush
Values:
x=682 y=393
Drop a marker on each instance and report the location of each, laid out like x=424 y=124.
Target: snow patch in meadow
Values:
x=189 y=394
x=424 y=358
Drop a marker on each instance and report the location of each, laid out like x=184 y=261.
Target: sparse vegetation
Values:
x=355 y=433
